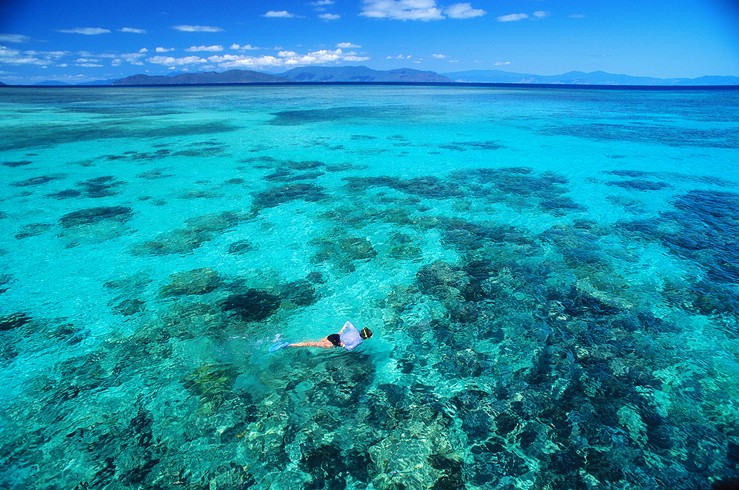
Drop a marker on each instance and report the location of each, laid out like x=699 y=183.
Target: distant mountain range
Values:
x=317 y=74
x=582 y=78
x=363 y=74
x=211 y=77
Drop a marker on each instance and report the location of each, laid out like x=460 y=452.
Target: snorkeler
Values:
x=348 y=337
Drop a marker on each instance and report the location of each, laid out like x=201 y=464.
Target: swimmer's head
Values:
x=335 y=339
x=365 y=333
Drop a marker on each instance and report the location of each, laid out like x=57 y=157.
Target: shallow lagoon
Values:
x=551 y=276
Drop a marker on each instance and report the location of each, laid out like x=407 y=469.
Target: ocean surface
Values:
x=551 y=276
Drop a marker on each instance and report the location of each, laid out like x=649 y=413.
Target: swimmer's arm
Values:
x=344 y=327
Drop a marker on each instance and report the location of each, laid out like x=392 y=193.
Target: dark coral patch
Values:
x=240 y=247
x=100 y=186
x=213 y=384
x=629 y=173
x=17 y=163
x=475 y=145
x=429 y=186
x=650 y=133
x=252 y=305
x=32 y=229
x=196 y=281
x=5 y=279
x=639 y=184
x=96 y=215
x=199 y=230
x=302 y=165
x=129 y=306
x=59 y=133
x=34 y=181
x=13 y=321
x=290 y=192
x=341 y=250
x=704 y=228
x=157 y=173
x=299 y=293
x=286 y=175
x=66 y=194
x=93 y=188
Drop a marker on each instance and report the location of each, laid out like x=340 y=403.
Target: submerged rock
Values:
x=34 y=181
x=32 y=230
x=213 y=383
x=252 y=305
x=341 y=250
x=299 y=293
x=290 y=192
x=13 y=321
x=240 y=247
x=130 y=306
x=198 y=230
x=95 y=215
x=196 y=281
x=639 y=184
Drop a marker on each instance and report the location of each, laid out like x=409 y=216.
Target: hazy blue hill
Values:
x=362 y=74
x=582 y=78
x=491 y=76
x=99 y=82
x=51 y=83
x=715 y=80
x=231 y=76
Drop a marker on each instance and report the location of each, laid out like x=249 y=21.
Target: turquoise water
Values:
x=551 y=276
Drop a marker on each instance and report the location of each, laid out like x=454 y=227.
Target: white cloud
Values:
x=54 y=54
x=320 y=6
x=188 y=28
x=172 y=62
x=502 y=63
x=134 y=58
x=163 y=50
x=463 y=11
x=424 y=10
x=513 y=17
x=143 y=50
x=439 y=56
x=132 y=30
x=577 y=16
x=86 y=60
x=242 y=47
x=348 y=46
x=313 y=57
x=40 y=58
x=329 y=17
x=14 y=38
x=399 y=57
x=87 y=31
x=285 y=58
x=278 y=14
x=540 y=14
x=240 y=61
x=212 y=49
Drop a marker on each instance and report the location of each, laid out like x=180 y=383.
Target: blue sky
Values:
x=81 y=40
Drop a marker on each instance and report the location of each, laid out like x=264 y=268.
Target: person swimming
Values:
x=349 y=337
